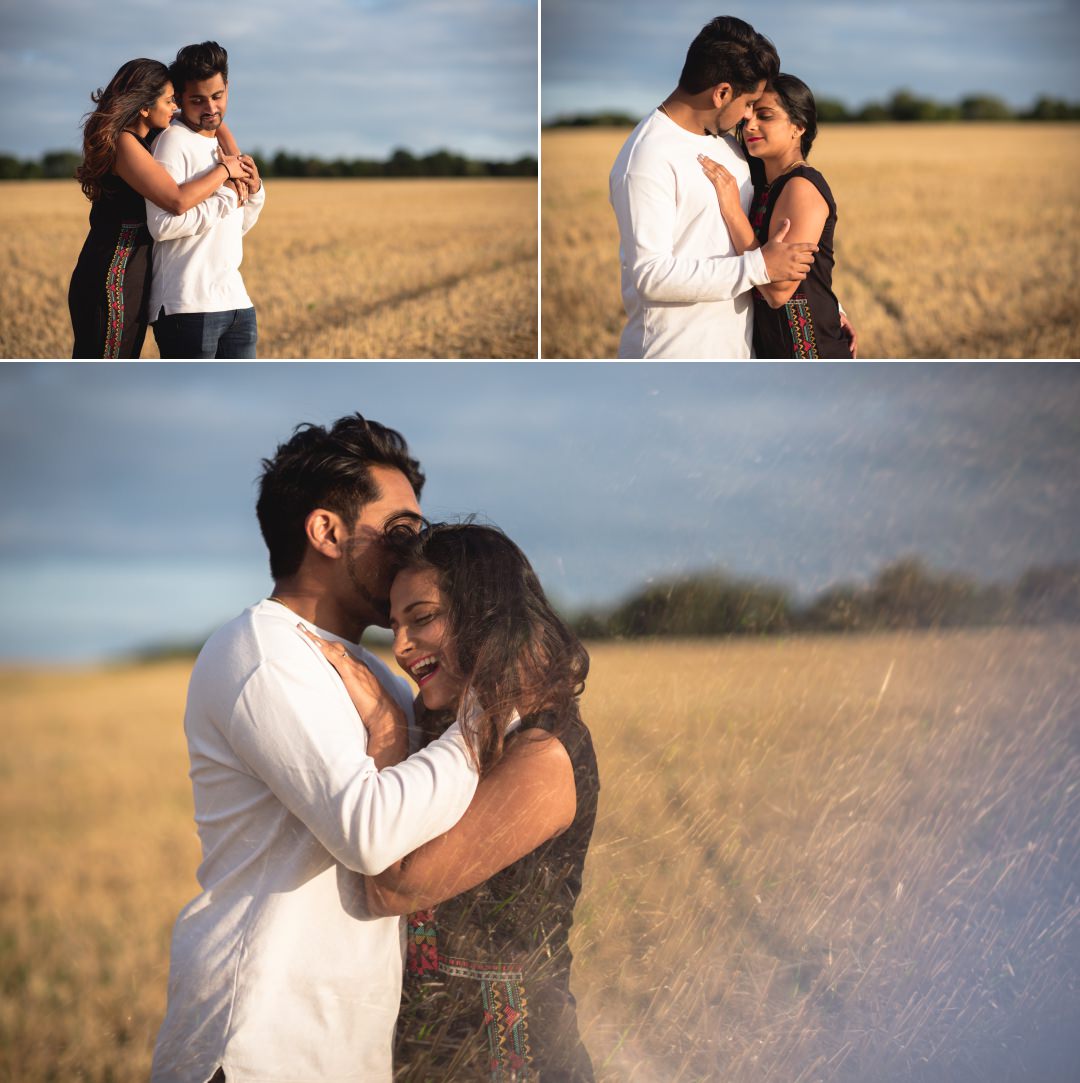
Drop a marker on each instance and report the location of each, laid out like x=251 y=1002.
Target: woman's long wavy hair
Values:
x=513 y=650
x=137 y=85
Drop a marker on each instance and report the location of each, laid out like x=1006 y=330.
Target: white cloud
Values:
x=615 y=53
x=329 y=77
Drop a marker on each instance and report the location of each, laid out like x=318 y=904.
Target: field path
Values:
x=336 y=268
x=475 y=324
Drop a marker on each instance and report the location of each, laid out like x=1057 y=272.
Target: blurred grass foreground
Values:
x=817 y=858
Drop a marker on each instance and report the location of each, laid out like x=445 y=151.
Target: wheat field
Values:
x=952 y=240
x=335 y=268
x=817 y=859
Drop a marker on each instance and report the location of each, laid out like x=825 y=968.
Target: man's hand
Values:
x=251 y=173
x=853 y=339
x=787 y=262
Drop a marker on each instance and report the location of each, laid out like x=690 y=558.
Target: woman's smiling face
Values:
x=769 y=131
x=418 y=619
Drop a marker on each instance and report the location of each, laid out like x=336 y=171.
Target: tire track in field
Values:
x=805 y=963
x=893 y=309
x=344 y=311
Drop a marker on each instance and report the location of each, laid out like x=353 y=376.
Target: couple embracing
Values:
x=726 y=233
x=171 y=198
x=320 y=832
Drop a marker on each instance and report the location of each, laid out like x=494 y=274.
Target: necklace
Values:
x=280 y=601
x=794 y=165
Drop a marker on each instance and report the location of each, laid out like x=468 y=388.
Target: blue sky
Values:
x=627 y=54
x=351 y=78
x=127 y=491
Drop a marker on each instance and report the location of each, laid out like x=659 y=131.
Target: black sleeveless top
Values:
x=542 y=887
x=119 y=204
x=808 y=326
x=487 y=991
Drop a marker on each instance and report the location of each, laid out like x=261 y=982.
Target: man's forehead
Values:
x=395 y=495
x=201 y=87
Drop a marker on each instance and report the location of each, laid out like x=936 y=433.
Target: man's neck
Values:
x=690 y=112
x=315 y=604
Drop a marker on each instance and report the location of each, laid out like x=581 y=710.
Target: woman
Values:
x=487 y=990
x=110 y=288
x=791 y=319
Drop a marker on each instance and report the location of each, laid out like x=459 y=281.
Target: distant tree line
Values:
x=904 y=595
x=904 y=105
x=61 y=164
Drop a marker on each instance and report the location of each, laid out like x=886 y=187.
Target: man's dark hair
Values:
x=320 y=468
x=194 y=63
x=728 y=50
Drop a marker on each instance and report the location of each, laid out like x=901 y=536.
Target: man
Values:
x=684 y=289
x=278 y=972
x=198 y=304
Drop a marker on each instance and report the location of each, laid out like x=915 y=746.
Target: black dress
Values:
x=110 y=289
x=808 y=326
x=487 y=980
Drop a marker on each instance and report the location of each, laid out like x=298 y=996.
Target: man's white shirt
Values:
x=277 y=971
x=197 y=254
x=685 y=290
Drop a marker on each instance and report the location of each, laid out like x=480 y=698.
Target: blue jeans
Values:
x=207 y=335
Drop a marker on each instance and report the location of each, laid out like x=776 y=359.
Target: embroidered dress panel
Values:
x=114 y=287
x=807 y=326
x=506 y=1022
x=801 y=325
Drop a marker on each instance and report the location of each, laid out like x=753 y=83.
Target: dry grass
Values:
x=414 y=268
x=952 y=240
x=816 y=859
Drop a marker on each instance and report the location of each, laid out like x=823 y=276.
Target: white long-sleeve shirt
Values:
x=277 y=971
x=684 y=288
x=197 y=254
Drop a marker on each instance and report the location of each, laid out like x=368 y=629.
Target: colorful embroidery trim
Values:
x=463 y=968
x=801 y=327
x=502 y=992
x=507 y=1026
x=757 y=212
x=422 y=951
x=114 y=288
x=506 y=1019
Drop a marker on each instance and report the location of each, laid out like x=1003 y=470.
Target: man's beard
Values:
x=199 y=125
x=369 y=608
